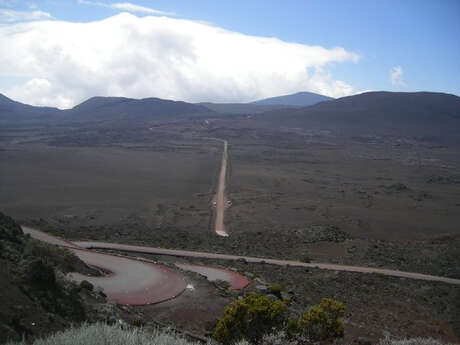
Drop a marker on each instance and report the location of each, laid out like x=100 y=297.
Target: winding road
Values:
x=205 y=255
x=138 y=282
x=131 y=282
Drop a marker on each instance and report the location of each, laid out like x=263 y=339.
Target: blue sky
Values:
x=388 y=45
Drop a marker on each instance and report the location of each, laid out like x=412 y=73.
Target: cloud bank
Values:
x=396 y=76
x=63 y=63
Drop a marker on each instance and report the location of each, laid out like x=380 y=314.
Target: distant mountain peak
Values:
x=298 y=99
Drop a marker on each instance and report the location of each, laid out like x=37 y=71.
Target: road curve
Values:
x=205 y=255
x=131 y=282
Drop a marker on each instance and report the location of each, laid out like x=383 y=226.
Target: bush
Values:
x=250 y=318
x=84 y=284
x=322 y=321
x=276 y=289
x=292 y=329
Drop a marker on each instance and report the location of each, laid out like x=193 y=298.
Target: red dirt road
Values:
x=335 y=267
x=131 y=282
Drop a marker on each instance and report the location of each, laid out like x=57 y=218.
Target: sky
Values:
x=62 y=52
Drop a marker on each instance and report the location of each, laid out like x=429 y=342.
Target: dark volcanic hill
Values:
x=19 y=113
x=419 y=113
x=299 y=99
x=118 y=108
x=97 y=109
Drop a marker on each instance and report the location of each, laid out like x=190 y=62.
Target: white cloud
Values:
x=125 y=6
x=396 y=76
x=12 y=16
x=66 y=63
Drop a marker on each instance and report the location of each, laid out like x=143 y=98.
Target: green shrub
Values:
x=292 y=329
x=276 y=289
x=250 y=318
x=323 y=321
x=84 y=284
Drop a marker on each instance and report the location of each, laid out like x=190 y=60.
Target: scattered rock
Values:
x=272 y=297
x=261 y=281
x=262 y=288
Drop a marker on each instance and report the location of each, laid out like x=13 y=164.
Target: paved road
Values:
x=335 y=267
x=131 y=282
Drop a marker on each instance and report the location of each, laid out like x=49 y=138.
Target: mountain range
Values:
x=418 y=113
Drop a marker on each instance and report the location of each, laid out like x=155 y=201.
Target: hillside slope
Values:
x=12 y=112
x=420 y=114
x=35 y=297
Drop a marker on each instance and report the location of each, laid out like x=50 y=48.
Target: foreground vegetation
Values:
x=103 y=334
x=257 y=316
